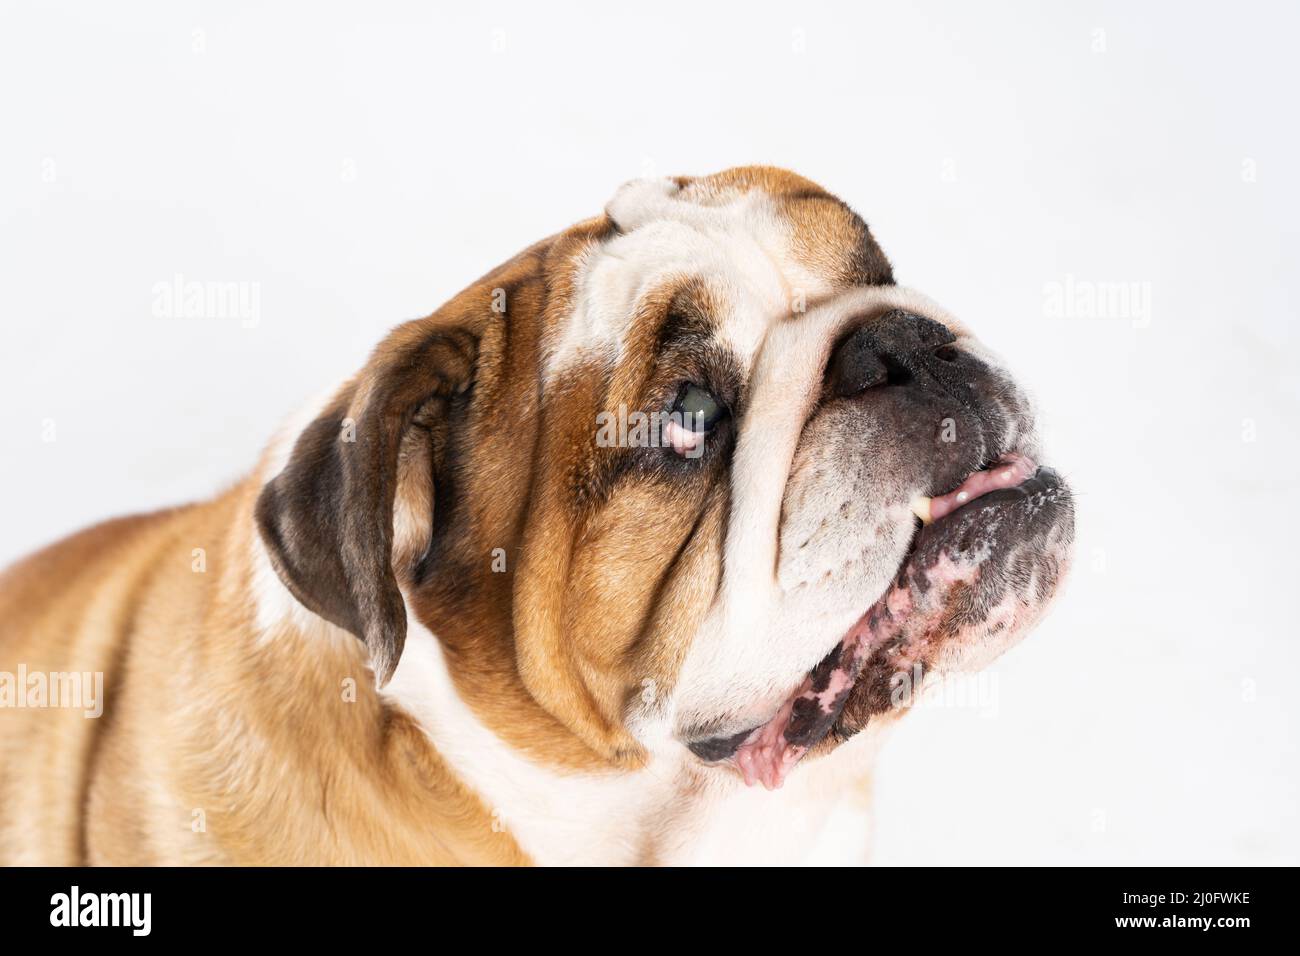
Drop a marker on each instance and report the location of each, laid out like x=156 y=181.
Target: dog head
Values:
x=655 y=482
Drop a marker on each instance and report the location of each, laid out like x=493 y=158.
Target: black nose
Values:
x=893 y=349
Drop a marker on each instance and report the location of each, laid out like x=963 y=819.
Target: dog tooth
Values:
x=921 y=508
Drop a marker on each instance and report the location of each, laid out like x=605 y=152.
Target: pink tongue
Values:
x=768 y=756
x=1007 y=473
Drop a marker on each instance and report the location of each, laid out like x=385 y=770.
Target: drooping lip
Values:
x=768 y=752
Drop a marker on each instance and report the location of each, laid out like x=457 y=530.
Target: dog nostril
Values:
x=946 y=353
x=896 y=373
x=854 y=366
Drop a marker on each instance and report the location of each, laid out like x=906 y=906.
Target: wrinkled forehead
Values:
x=757 y=243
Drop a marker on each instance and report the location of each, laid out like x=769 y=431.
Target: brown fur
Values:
x=204 y=722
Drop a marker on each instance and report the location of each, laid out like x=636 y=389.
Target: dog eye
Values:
x=699 y=408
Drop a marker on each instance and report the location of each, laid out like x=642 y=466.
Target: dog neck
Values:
x=671 y=811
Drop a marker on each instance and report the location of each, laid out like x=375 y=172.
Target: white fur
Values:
x=742 y=246
x=557 y=818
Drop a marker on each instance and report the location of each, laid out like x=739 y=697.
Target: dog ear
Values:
x=327 y=518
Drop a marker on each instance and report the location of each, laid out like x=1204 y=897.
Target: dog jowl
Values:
x=584 y=637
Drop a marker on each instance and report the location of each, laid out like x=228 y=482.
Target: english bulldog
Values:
x=625 y=555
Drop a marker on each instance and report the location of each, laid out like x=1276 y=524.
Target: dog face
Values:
x=654 y=483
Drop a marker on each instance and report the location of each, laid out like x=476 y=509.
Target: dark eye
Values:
x=699 y=408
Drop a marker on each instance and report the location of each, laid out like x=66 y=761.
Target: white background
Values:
x=361 y=166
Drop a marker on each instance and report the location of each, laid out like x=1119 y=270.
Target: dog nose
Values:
x=889 y=350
